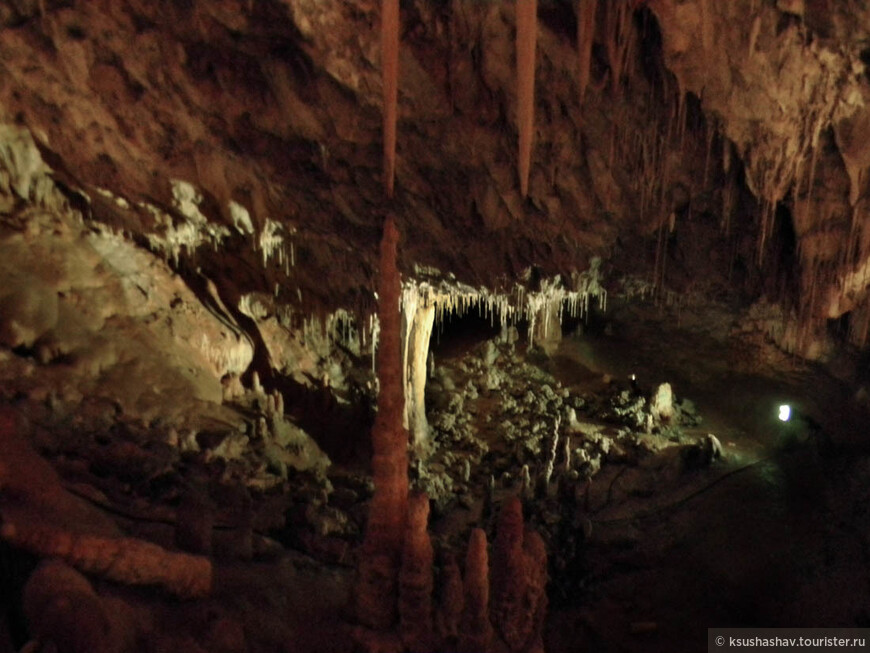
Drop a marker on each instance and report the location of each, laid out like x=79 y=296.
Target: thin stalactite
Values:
x=390 y=73
x=586 y=10
x=619 y=37
x=527 y=33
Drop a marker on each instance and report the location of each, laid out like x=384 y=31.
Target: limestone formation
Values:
x=527 y=37
x=526 y=487
x=195 y=520
x=535 y=602
x=418 y=318
x=62 y=609
x=381 y=551
x=451 y=602
x=416 y=578
x=390 y=80
x=124 y=560
x=585 y=41
x=550 y=462
x=192 y=193
x=508 y=570
x=662 y=403
x=476 y=632
x=519 y=579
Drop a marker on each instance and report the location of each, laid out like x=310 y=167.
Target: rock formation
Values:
x=124 y=560
x=476 y=632
x=381 y=551
x=195 y=522
x=451 y=603
x=585 y=40
x=62 y=608
x=508 y=570
x=191 y=199
x=416 y=579
x=527 y=38
x=40 y=516
x=519 y=579
x=390 y=79
x=418 y=318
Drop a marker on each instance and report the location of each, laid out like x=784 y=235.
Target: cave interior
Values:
x=432 y=325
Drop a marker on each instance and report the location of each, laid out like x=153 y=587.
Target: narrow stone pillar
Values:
x=376 y=593
x=418 y=320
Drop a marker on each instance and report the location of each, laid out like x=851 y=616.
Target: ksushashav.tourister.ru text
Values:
x=797 y=641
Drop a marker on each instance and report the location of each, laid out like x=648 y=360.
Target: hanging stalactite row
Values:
x=527 y=33
x=390 y=73
x=585 y=37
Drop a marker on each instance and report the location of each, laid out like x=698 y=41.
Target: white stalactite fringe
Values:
x=585 y=38
x=390 y=73
x=527 y=34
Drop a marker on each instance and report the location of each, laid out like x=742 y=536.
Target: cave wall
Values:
x=242 y=143
x=789 y=89
x=273 y=109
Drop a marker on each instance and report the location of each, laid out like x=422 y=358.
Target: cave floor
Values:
x=773 y=535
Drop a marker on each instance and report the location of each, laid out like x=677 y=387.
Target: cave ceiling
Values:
x=242 y=139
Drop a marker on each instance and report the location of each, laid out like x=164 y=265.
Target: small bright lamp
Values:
x=784 y=412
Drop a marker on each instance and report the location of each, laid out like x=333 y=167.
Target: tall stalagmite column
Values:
x=585 y=38
x=527 y=34
x=390 y=73
x=382 y=547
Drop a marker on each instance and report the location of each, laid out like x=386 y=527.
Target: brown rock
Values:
x=61 y=607
x=476 y=633
x=379 y=564
x=519 y=598
x=416 y=578
x=122 y=559
x=527 y=34
x=451 y=601
x=376 y=589
x=507 y=562
x=194 y=523
x=536 y=591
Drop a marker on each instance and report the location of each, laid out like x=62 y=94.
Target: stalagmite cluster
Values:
x=494 y=608
x=395 y=597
